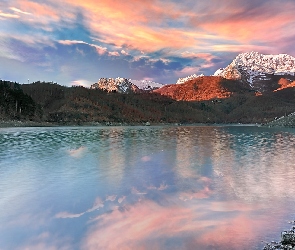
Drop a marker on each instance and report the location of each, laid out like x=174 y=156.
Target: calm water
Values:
x=145 y=187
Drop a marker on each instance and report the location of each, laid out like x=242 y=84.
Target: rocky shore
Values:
x=284 y=121
x=287 y=240
x=18 y=123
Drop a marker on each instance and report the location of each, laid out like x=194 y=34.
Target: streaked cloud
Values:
x=147 y=224
x=20 y=11
x=159 y=40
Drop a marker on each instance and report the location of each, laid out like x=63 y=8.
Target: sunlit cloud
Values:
x=8 y=15
x=114 y=53
x=133 y=38
x=147 y=224
x=20 y=11
x=81 y=82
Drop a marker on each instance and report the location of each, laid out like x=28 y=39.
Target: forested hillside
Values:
x=15 y=104
x=50 y=102
x=78 y=104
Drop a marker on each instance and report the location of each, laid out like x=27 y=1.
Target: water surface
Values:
x=215 y=187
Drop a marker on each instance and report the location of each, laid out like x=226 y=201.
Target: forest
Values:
x=61 y=105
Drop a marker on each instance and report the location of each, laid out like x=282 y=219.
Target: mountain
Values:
x=119 y=85
x=124 y=85
x=202 y=88
x=185 y=79
x=212 y=100
x=146 y=85
x=260 y=72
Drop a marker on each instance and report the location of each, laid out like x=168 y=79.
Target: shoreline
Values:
x=17 y=123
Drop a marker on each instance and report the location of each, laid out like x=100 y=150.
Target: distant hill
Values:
x=203 y=88
x=77 y=105
x=232 y=102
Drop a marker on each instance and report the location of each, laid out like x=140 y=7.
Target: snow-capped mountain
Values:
x=124 y=85
x=146 y=84
x=120 y=85
x=188 y=78
x=261 y=72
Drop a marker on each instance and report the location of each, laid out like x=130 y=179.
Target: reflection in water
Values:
x=144 y=187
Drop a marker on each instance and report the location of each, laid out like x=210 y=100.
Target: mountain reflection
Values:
x=144 y=187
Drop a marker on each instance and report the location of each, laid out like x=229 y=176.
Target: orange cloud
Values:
x=242 y=23
x=137 y=25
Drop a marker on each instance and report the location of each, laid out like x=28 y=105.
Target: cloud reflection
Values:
x=77 y=153
x=147 y=225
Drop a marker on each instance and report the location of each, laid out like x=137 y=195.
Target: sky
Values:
x=76 y=42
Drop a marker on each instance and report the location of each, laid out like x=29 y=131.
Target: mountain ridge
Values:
x=124 y=85
x=261 y=72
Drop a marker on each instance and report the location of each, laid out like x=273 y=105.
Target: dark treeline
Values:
x=78 y=104
x=15 y=104
x=50 y=102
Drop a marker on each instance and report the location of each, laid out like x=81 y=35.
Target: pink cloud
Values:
x=147 y=224
x=189 y=70
x=114 y=53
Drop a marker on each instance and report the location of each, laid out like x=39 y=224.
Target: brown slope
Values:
x=202 y=88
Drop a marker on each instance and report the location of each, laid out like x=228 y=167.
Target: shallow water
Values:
x=215 y=187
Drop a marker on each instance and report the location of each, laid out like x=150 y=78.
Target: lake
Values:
x=157 y=187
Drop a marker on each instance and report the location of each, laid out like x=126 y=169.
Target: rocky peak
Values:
x=188 y=78
x=258 y=70
x=146 y=85
x=120 y=85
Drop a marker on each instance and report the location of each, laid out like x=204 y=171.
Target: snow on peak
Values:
x=251 y=62
x=120 y=85
x=188 y=78
x=254 y=67
x=124 y=85
x=146 y=84
x=218 y=72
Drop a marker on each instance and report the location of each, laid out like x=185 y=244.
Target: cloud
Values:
x=147 y=224
x=121 y=199
x=100 y=50
x=20 y=11
x=162 y=187
x=114 y=53
x=98 y=203
x=249 y=22
x=111 y=197
x=8 y=15
x=77 y=153
x=81 y=82
x=176 y=39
